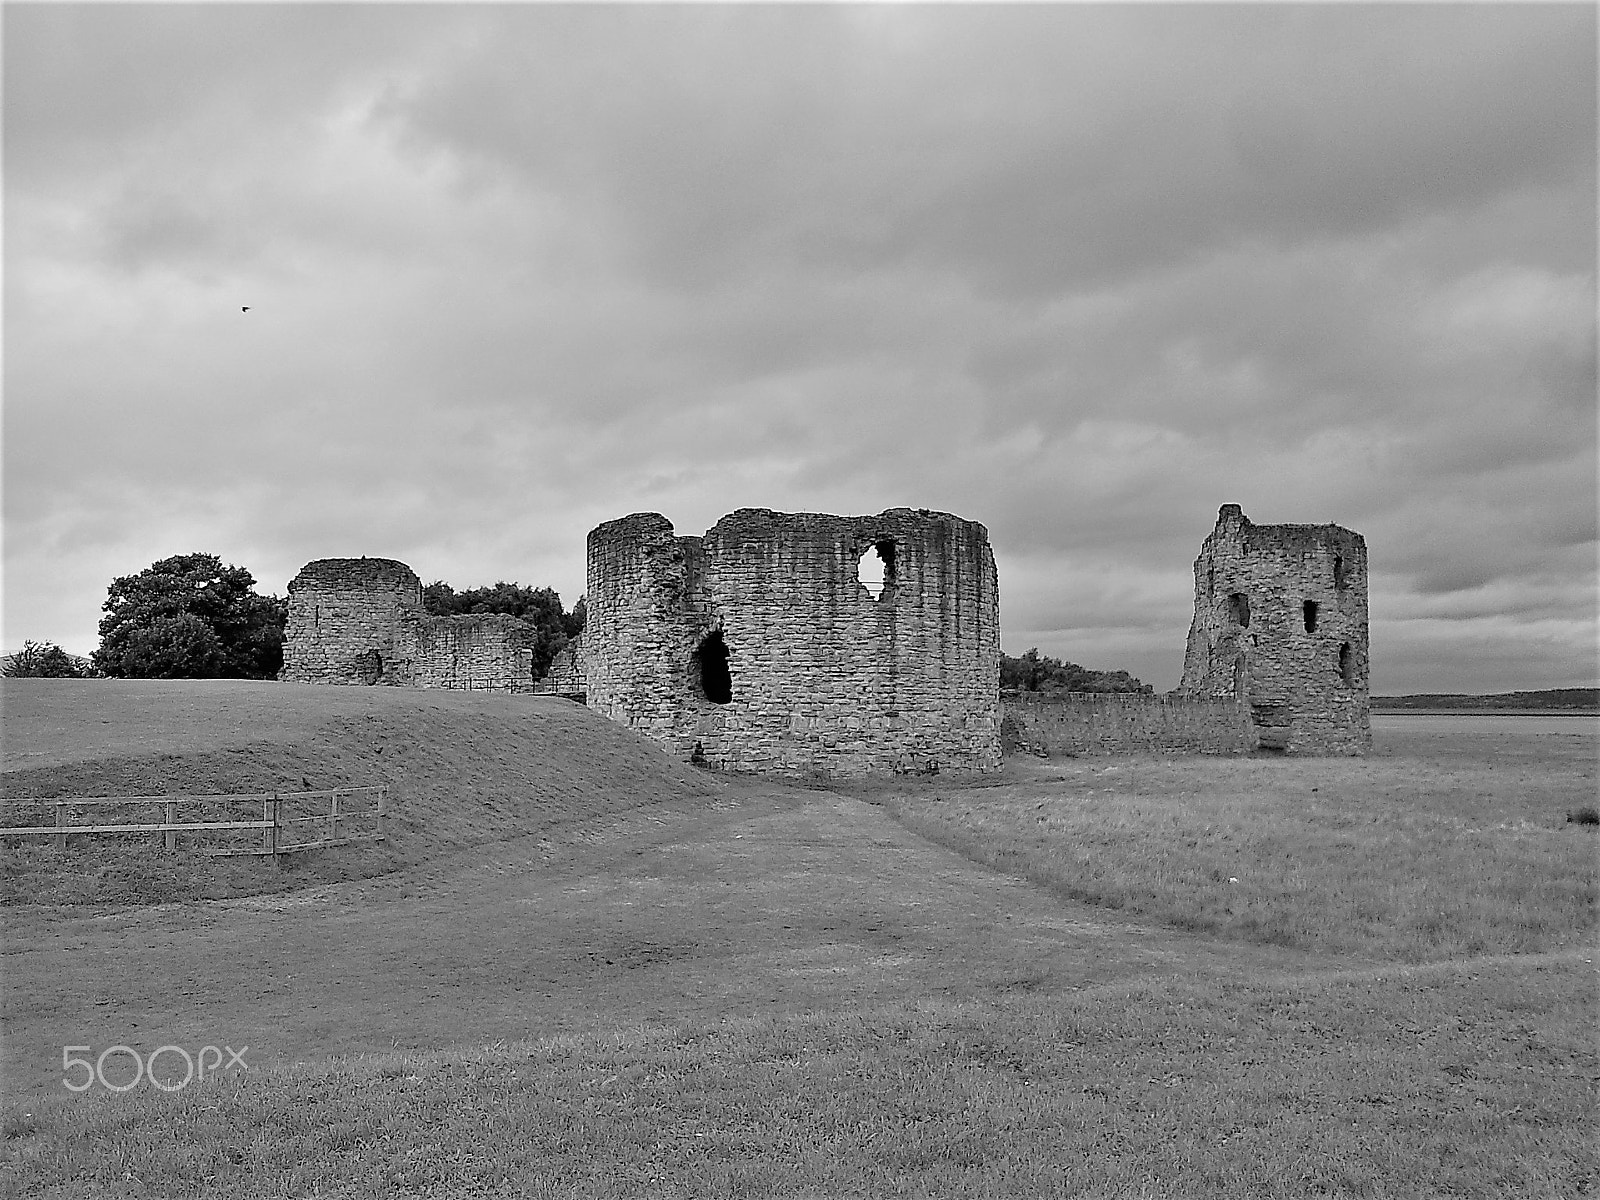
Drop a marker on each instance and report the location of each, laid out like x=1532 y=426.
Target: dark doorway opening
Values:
x=1310 y=610
x=711 y=668
x=370 y=667
x=1347 y=665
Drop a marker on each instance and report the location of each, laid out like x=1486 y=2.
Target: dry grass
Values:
x=463 y=769
x=1402 y=1083
x=1428 y=851
x=679 y=986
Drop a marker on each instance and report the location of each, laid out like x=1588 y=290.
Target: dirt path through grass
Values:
x=773 y=901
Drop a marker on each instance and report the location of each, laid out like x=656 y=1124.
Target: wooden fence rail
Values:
x=270 y=826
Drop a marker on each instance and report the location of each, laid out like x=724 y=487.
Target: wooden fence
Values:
x=353 y=814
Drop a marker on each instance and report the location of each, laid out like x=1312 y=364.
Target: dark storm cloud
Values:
x=1083 y=273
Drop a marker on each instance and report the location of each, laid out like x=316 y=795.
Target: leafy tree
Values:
x=190 y=617
x=574 y=621
x=181 y=646
x=539 y=607
x=1035 y=673
x=42 y=660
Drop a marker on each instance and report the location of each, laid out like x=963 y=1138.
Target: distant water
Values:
x=1492 y=738
x=1526 y=722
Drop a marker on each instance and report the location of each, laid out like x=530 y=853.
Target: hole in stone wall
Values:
x=370 y=667
x=1338 y=573
x=1347 y=665
x=875 y=570
x=1310 y=610
x=711 y=668
x=1239 y=609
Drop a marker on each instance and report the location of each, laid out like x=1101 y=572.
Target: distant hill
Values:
x=1550 y=700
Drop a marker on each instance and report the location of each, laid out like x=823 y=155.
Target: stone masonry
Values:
x=1085 y=723
x=757 y=648
x=565 y=676
x=361 y=621
x=1280 y=624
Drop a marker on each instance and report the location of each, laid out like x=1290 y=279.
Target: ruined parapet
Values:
x=487 y=650
x=1280 y=623
x=352 y=621
x=361 y=621
x=757 y=648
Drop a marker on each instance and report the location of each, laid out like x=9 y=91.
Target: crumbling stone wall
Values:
x=1280 y=625
x=757 y=648
x=565 y=676
x=361 y=621
x=1125 y=723
x=488 y=650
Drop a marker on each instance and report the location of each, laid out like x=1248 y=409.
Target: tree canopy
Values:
x=190 y=617
x=42 y=660
x=539 y=607
x=1035 y=673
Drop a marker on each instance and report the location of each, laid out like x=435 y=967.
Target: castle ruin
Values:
x=361 y=621
x=1280 y=625
x=765 y=646
x=758 y=647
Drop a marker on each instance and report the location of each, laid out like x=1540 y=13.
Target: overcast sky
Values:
x=1083 y=273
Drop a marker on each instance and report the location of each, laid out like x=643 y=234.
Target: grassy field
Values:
x=1049 y=984
x=1447 y=845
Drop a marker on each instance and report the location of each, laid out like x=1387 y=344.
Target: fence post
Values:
x=169 y=835
x=383 y=821
x=333 y=816
x=61 y=823
x=268 y=814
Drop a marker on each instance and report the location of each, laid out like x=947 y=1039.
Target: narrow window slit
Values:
x=1239 y=609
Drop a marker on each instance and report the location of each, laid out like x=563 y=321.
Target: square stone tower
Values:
x=1280 y=623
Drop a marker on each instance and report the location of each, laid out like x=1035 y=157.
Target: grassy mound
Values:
x=462 y=768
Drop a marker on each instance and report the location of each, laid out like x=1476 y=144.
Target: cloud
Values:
x=1083 y=273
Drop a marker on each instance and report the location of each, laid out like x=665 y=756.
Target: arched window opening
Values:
x=711 y=668
x=1347 y=665
x=1239 y=609
x=1309 y=608
x=876 y=570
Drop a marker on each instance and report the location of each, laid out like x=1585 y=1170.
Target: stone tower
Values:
x=1280 y=622
x=758 y=647
x=352 y=620
x=362 y=621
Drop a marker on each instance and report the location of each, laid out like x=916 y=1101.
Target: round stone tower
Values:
x=763 y=646
x=354 y=621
